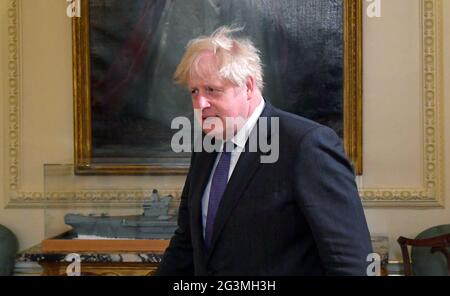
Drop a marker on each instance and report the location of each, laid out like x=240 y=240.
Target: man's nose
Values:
x=201 y=102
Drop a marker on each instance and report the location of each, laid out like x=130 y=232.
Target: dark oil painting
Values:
x=135 y=46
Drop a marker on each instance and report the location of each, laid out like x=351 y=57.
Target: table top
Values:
x=35 y=254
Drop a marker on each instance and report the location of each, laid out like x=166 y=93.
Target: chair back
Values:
x=430 y=252
x=8 y=250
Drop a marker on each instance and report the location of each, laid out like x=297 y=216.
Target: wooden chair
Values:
x=438 y=243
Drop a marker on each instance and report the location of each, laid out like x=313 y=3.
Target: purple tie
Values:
x=218 y=185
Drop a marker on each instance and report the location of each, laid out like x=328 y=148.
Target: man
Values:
x=238 y=215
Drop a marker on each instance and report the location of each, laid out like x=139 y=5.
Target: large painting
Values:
x=125 y=53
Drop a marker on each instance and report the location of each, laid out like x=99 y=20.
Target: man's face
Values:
x=215 y=99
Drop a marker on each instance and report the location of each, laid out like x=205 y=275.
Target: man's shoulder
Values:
x=295 y=125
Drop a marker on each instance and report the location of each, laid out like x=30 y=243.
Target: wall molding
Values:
x=430 y=194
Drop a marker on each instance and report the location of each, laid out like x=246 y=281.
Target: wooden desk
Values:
x=94 y=263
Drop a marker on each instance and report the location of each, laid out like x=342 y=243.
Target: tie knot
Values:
x=228 y=147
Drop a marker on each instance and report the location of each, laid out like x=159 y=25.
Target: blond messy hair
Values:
x=236 y=58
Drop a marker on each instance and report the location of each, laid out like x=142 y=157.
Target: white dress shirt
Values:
x=239 y=140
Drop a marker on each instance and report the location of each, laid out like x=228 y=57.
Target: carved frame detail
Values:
x=430 y=194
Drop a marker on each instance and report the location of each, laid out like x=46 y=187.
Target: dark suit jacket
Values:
x=301 y=215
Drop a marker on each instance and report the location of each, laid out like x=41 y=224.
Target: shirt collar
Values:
x=241 y=136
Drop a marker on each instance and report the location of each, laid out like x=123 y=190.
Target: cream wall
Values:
x=392 y=111
x=392 y=114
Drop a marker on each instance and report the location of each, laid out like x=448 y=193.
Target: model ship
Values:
x=153 y=223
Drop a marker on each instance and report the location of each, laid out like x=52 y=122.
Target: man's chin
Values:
x=214 y=134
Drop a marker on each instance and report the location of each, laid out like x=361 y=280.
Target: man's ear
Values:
x=250 y=85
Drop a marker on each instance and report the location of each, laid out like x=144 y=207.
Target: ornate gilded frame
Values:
x=353 y=88
x=428 y=194
x=82 y=97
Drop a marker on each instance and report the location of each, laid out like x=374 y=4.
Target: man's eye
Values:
x=210 y=89
x=194 y=91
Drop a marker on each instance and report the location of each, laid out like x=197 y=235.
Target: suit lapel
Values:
x=244 y=171
x=201 y=170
